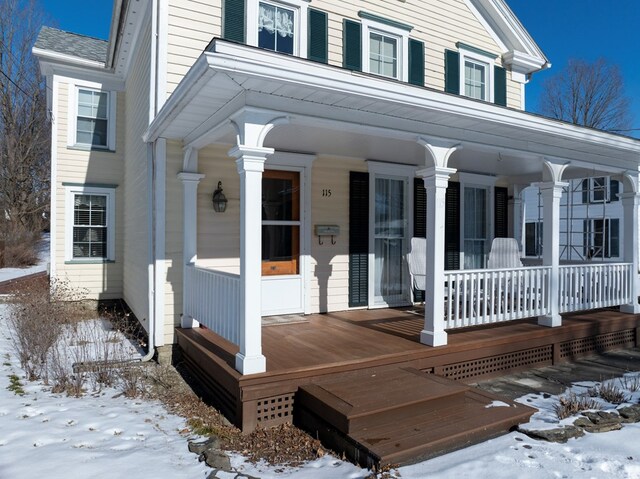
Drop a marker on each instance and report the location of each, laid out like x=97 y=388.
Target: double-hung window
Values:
x=92 y=115
x=602 y=238
x=278 y=25
x=477 y=67
x=90 y=222
x=385 y=46
x=383 y=54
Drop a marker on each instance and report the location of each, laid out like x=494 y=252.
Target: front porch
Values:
x=319 y=347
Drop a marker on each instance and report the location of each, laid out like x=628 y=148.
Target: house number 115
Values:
x=326 y=192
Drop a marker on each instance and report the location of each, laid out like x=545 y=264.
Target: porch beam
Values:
x=250 y=163
x=190 y=182
x=436 y=180
x=551 y=193
x=631 y=221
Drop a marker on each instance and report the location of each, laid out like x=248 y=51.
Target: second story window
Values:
x=383 y=55
x=92 y=127
x=276 y=28
x=475 y=79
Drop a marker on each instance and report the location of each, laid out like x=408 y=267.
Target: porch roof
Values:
x=229 y=77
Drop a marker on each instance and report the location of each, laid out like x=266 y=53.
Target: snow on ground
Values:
x=108 y=436
x=7 y=274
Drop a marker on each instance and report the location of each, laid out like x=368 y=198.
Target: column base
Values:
x=633 y=308
x=250 y=365
x=187 y=322
x=433 y=338
x=551 y=320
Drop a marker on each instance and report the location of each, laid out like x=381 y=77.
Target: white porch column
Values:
x=190 y=215
x=250 y=162
x=436 y=180
x=631 y=211
x=551 y=194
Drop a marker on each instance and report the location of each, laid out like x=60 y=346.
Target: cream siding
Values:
x=136 y=181
x=96 y=280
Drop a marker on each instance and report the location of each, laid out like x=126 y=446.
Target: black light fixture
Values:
x=219 y=200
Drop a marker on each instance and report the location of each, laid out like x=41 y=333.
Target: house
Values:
x=238 y=163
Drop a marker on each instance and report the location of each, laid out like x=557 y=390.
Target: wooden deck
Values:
x=322 y=348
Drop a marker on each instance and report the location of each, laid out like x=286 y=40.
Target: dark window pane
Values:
x=277 y=243
x=266 y=39
x=285 y=44
x=277 y=195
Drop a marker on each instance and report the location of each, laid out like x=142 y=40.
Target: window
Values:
x=276 y=28
x=385 y=46
x=93 y=110
x=383 y=55
x=475 y=227
x=475 y=85
x=601 y=238
x=280 y=26
x=477 y=68
x=533 y=238
x=280 y=222
x=90 y=213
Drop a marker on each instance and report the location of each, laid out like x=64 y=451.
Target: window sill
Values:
x=80 y=147
x=89 y=261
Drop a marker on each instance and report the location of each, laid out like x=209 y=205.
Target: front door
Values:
x=282 y=282
x=390 y=277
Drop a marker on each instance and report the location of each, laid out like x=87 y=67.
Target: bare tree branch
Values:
x=588 y=94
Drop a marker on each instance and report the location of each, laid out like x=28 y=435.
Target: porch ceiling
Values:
x=334 y=111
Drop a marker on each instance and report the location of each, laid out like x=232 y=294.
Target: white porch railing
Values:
x=591 y=286
x=213 y=299
x=485 y=296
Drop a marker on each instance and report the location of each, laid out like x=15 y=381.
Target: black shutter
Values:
x=452 y=227
x=416 y=62
x=452 y=72
x=352 y=45
x=358 y=239
x=614 y=233
x=501 y=212
x=614 y=189
x=419 y=208
x=499 y=86
x=234 y=19
x=318 y=36
x=419 y=220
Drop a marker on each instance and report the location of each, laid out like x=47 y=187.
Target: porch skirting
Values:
x=365 y=339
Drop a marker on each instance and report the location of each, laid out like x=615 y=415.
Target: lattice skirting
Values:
x=275 y=410
x=597 y=344
x=493 y=365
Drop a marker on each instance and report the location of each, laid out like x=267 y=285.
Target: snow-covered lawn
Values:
x=109 y=436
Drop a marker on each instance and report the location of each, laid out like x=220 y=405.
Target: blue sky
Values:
x=585 y=29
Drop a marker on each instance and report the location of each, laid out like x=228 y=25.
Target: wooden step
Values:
x=401 y=415
x=350 y=403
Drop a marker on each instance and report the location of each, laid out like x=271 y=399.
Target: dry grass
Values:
x=610 y=392
x=573 y=404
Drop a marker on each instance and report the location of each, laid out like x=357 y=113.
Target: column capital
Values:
x=189 y=177
x=438 y=174
x=554 y=168
x=555 y=186
x=252 y=125
x=244 y=151
x=631 y=198
x=439 y=150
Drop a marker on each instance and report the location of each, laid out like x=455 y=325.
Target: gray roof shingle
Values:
x=68 y=43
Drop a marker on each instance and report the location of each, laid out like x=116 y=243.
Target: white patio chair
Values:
x=504 y=254
x=417 y=260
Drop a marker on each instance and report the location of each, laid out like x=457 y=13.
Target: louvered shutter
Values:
x=585 y=191
x=452 y=72
x=419 y=219
x=614 y=189
x=234 y=20
x=352 y=45
x=416 y=62
x=614 y=235
x=452 y=227
x=358 y=239
x=499 y=86
x=501 y=212
x=318 y=35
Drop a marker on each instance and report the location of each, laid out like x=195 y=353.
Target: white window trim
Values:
x=476 y=57
x=110 y=193
x=371 y=26
x=300 y=8
x=72 y=125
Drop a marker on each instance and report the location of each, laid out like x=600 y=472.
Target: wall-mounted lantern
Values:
x=219 y=200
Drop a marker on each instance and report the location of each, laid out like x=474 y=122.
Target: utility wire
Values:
x=16 y=85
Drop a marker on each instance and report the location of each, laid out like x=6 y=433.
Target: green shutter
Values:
x=452 y=227
x=234 y=20
x=452 y=72
x=416 y=62
x=318 y=36
x=352 y=45
x=501 y=212
x=419 y=220
x=499 y=86
x=358 y=239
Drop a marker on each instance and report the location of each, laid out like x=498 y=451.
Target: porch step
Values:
x=401 y=415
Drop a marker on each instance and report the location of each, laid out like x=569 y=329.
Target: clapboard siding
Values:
x=136 y=181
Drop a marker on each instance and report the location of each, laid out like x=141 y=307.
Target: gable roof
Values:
x=72 y=44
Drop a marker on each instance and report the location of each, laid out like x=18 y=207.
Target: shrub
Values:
x=630 y=383
x=573 y=404
x=20 y=248
x=609 y=392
